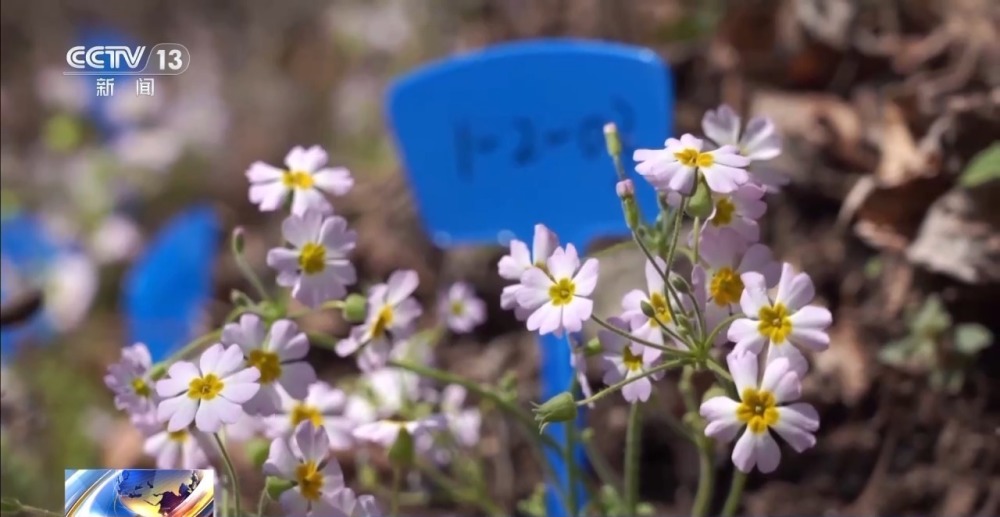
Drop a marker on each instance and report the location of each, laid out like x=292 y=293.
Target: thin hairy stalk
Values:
x=397 y=480
x=573 y=469
x=619 y=385
x=706 y=469
x=665 y=349
x=604 y=472
x=262 y=503
x=735 y=494
x=231 y=471
x=633 y=447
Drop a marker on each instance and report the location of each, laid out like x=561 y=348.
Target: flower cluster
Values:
x=253 y=378
x=737 y=301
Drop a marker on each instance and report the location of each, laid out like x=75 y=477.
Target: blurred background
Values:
x=891 y=116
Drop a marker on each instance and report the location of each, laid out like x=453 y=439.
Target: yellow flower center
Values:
x=312 y=258
x=141 y=388
x=726 y=287
x=382 y=321
x=205 y=388
x=774 y=323
x=758 y=410
x=178 y=436
x=692 y=158
x=302 y=412
x=310 y=480
x=724 y=210
x=268 y=363
x=457 y=308
x=631 y=361
x=661 y=310
x=297 y=180
x=561 y=293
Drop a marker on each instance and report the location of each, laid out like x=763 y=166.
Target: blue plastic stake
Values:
x=499 y=140
x=166 y=290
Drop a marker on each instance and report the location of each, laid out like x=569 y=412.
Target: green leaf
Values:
x=897 y=353
x=931 y=320
x=971 y=338
x=984 y=167
x=10 y=505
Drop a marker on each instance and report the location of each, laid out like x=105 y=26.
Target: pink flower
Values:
x=643 y=326
x=624 y=359
x=306 y=177
x=461 y=309
x=783 y=322
x=761 y=408
x=558 y=294
x=675 y=167
x=513 y=265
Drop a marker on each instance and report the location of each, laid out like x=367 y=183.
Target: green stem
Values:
x=186 y=349
x=262 y=503
x=460 y=494
x=538 y=440
x=625 y=334
x=706 y=475
x=397 y=479
x=706 y=469
x=710 y=341
x=619 y=385
x=633 y=446
x=332 y=304
x=232 y=472
x=735 y=494
x=251 y=276
x=604 y=471
x=573 y=470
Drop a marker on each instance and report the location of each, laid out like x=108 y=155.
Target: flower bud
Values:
x=402 y=451
x=561 y=408
x=679 y=284
x=700 y=204
x=276 y=486
x=611 y=139
x=592 y=347
x=239 y=239
x=626 y=192
x=158 y=371
x=355 y=308
x=647 y=309
x=240 y=299
x=257 y=451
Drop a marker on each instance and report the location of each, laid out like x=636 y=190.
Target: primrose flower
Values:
x=727 y=263
x=624 y=360
x=713 y=314
x=646 y=327
x=323 y=406
x=512 y=266
x=182 y=449
x=461 y=309
x=279 y=356
x=210 y=394
x=784 y=322
x=558 y=293
x=391 y=310
x=351 y=505
x=304 y=459
x=316 y=267
x=464 y=423
x=675 y=167
x=306 y=177
x=759 y=141
x=736 y=214
x=385 y=432
x=130 y=380
x=760 y=409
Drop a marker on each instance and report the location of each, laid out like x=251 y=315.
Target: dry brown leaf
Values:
x=961 y=236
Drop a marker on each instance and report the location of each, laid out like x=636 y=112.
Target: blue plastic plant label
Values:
x=497 y=141
x=512 y=136
x=166 y=291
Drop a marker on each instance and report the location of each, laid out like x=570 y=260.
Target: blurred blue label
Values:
x=512 y=136
x=168 y=288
